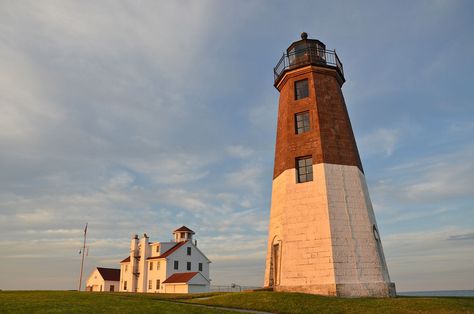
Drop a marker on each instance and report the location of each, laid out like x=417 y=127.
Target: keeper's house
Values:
x=165 y=267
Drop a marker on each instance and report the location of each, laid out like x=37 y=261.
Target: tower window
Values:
x=151 y=265
x=158 y=284
x=302 y=122
x=304 y=169
x=150 y=285
x=376 y=233
x=301 y=89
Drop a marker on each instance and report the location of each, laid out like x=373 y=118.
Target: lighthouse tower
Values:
x=323 y=237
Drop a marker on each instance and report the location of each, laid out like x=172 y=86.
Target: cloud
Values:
x=248 y=176
x=381 y=141
x=239 y=151
x=426 y=256
x=439 y=177
x=465 y=236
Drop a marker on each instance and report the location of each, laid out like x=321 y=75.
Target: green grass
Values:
x=85 y=302
x=280 y=302
x=277 y=302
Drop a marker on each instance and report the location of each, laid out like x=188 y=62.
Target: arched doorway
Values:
x=275 y=262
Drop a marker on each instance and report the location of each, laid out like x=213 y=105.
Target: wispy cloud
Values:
x=239 y=151
x=381 y=141
x=411 y=252
x=442 y=176
x=465 y=236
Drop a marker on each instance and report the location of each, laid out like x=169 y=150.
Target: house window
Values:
x=157 y=249
x=301 y=89
x=182 y=235
x=200 y=266
x=302 y=122
x=189 y=251
x=304 y=169
x=151 y=265
x=158 y=265
x=126 y=268
x=188 y=266
x=125 y=285
x=158 y=284
x=150 y=284
x=176 y=264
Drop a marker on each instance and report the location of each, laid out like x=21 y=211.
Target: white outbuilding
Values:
x=104 y=279
x=192 y=282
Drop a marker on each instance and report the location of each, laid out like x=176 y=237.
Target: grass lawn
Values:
x=280 y=302
x=277 y=302
x=85 y=302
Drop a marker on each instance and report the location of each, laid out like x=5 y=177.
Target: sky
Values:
x=143 y=116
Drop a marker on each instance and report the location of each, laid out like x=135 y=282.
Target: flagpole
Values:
x=82 y=262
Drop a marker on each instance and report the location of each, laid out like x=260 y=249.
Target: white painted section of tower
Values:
x=325 y=229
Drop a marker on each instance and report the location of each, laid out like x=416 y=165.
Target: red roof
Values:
x=184 y=228
x=111 y=274
x=180 y=277
x=167 y=253
x=126 y=260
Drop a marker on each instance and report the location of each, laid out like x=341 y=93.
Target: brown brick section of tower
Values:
x=330 y=138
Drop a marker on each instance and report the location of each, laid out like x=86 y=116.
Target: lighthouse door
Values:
x=276 y=264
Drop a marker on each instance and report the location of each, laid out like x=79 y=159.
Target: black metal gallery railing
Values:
x=307 y=56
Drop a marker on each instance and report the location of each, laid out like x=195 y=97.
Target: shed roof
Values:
x=112 y=274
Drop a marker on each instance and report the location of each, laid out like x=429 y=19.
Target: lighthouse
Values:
x=323 y=237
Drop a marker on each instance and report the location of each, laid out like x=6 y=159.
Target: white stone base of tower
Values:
x=323 y=238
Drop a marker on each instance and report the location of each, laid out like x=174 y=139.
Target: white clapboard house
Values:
x=165 y=267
